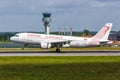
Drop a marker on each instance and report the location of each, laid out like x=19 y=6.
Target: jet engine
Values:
x=45 y=45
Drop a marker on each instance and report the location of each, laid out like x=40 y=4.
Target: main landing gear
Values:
x=25 y=45
x=57 y=49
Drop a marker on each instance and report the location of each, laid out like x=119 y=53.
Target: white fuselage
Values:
x=47 y=41
x=33 y=38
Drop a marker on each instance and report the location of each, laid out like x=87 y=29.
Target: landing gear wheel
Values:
x=24 y=46
x=57 y=50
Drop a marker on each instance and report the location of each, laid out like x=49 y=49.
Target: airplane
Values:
x=50 y=41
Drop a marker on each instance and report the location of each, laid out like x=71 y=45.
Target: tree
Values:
x=85 y=33
x=6 y=36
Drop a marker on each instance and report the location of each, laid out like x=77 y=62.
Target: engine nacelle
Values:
x=77 y=44
x=45 y=45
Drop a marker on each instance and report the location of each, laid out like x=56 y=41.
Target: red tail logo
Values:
x=103 y=33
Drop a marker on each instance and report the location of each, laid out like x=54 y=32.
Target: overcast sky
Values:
x=26 y=15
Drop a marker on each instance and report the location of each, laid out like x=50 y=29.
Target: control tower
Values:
x=46 y=19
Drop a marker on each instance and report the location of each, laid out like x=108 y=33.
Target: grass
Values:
x=62 y=49
x=93 y=48
x=60 y=68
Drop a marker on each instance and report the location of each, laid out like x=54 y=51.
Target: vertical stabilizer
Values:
x=102 y=35
x=107 y=30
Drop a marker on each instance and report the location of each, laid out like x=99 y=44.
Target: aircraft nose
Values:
x=12 y=38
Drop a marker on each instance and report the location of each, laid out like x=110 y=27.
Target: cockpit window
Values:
x=16 y=35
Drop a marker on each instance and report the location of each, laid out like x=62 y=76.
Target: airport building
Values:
x=46 y=20
x=115 y=37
